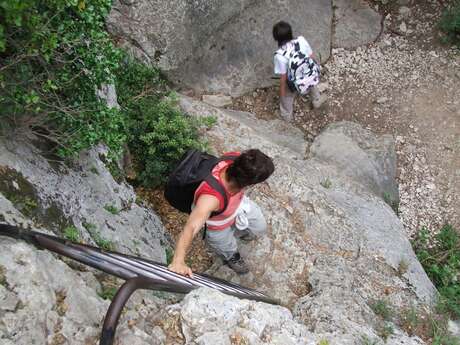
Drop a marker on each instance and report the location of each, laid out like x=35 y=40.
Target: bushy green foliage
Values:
x=159 y=134
x=442 y=264
x=409 y=319
x=382 y=308
x=100 y=241
x=72 y=234
x=55 y=54
x=450 y=23
x=2 y=276
x=112 y=209
x=326 y=183
x=169 y=255
x=108 y=292
x=385 y=331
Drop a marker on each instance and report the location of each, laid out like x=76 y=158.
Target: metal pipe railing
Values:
x=138 y=273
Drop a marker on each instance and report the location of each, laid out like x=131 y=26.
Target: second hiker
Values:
x=297 y=66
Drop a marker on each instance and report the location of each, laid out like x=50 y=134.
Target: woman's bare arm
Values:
x=205 y=205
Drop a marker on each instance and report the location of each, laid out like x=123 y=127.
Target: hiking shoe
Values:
x=237 y=264
x=248 y=237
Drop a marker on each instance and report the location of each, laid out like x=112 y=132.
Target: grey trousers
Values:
x=223 y=242
x=287 y=102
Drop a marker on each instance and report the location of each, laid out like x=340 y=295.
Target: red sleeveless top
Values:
x=226 y=218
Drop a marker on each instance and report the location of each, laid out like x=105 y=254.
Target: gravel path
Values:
x=406 y=84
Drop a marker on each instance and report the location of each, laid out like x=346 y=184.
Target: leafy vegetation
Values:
x=441 y=262
x=55 y=55
x=365 y=340
x=382 y=308
x=450 y=23
x=108 y=292
x=326 y=183
x=386 y=331
x=100 y=241
x=403 y=266
x=169 y=255
x=159 y=134
x=394 y=204
x=72 y=234
x=409 y=320
x=2 y=276
x=440 y=257
x=112 y=209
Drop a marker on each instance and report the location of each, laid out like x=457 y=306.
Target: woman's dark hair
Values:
x=251 y=167
x=282 y=33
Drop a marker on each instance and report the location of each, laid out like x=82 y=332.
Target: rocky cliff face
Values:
x=227 y=46
x=83 y=194
x=42 y=299
x=334 y=245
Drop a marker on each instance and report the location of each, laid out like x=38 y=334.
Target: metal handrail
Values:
x=138 y=273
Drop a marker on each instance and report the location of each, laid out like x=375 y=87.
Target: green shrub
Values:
x=72 y=234
x=100 y=241
x=403 y=266
x=55 y=53
x=409 y=319
x=392 y=202
x=450 y=23
x=386 y=330
x=439 y=331
x=326 y=183
x=441 y=262
x=112 y=209
x=365 y=340
x=2 y=276
x=159 y=133
x=108 y=292
x=169 y=255
x=382 y=308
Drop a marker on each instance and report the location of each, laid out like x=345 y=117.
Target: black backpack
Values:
x=193 y=168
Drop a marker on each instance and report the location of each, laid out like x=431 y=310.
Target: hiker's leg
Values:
x=287 y=105
x=315 y=95
x=256 y=224
x=223 y=242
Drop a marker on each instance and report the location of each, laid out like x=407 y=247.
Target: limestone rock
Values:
x=361 y=156
x=44 y=301
x=210 y=317
x=85 y=195
x=327 y=252
x=217 y=45
x=454 y=328
x=108 y=94
x=227 y=47
x=217 y=100
x=356 y=23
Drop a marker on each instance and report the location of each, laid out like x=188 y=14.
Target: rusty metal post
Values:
x=116 y=307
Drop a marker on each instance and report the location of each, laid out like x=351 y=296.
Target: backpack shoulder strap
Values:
x=217 y=186
x=212 y=181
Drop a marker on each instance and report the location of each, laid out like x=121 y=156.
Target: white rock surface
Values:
x=226 y=47
x=217 y=100
x=328 y=251
x=80 y=195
